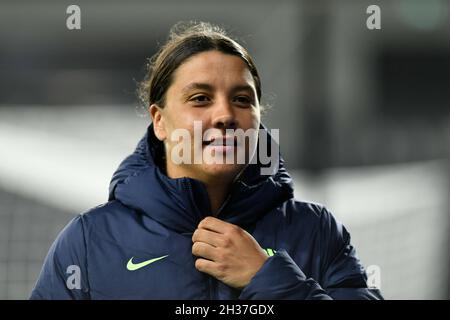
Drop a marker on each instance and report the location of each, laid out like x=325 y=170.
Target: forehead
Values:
x=213 y=67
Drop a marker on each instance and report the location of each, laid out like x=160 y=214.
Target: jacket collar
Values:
x=180 y=204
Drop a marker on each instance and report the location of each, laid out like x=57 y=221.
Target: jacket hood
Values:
x=180 y=204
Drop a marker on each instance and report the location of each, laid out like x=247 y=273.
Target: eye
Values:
x=243 y=100
x=200 y=99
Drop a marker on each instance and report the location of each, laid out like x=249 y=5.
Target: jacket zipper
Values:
x=212 y=282
x=223 y=205
x=211 y=289
x=227 y=200
x=209 y=284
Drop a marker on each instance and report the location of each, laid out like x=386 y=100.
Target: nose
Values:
x=224 y=116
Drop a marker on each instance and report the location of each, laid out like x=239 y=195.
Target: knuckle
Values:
x=204 y=222
x=199 y=264
x=196 y=248
x=234 y=230
x=222 y=255
x=222 y=269
x=226 y=242
x=207 y=220
x=195 y=235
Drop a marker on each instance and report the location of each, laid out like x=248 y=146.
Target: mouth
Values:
x=221 y=142
x=221 y=145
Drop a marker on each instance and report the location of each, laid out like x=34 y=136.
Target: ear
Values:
x=158 y=122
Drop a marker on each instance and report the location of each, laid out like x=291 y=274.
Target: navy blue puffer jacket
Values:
x=108 y=251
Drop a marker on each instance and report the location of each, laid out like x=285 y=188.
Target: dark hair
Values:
x=186 y=40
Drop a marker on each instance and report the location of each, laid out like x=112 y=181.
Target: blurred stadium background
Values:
x=363 y=115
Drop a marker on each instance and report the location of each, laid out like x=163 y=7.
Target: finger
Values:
x=215 y=225
x=207 y=236
x=207 y=266
x=204 y=250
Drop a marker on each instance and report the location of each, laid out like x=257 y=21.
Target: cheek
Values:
x=186 y=118
x=179 y=129
x=178 y=121
x=252 y=119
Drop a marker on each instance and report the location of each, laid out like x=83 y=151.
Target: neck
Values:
x=217 y=193
x=217 y=188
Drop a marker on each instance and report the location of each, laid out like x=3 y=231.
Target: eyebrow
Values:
x=208 y=87
x=197 y=85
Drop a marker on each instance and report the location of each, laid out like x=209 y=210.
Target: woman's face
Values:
x=218 y=91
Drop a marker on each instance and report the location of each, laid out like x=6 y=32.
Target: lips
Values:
x=221 y=141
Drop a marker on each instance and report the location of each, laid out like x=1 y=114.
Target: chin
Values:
x=222 y=171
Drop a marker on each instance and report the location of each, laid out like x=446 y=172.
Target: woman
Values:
x=186 y=229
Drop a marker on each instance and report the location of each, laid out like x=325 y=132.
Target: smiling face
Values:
x=218 y=90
